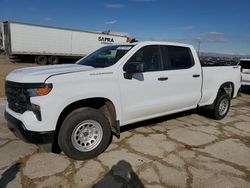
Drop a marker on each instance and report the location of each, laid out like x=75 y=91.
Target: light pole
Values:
x=199 y=45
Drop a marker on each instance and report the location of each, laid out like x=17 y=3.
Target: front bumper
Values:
x=17 y=127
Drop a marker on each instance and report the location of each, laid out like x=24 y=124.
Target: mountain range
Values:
x=214 y=54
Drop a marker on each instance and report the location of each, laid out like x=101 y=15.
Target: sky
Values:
x=220 y=26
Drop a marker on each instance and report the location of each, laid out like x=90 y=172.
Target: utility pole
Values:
x=199 y=45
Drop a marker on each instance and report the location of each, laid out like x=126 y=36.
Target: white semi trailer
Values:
x=48 y=44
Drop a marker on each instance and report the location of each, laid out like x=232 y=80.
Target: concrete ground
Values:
x=183 y=150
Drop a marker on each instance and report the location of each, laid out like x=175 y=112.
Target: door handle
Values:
x=196 y=75
x=163 y=78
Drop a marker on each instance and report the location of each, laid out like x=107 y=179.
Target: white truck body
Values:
x=146 y=95
x=245 y=72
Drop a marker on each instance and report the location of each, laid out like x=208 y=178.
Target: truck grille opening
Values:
x=17 y=99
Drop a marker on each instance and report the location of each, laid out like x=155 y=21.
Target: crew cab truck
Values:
x=245 y=72
x=80 y=106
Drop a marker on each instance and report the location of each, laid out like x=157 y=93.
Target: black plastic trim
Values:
x=25 y=85
x=17 y=127
x=116 y=128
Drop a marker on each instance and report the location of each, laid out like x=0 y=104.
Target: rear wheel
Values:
x=221 y=106
x=85 y=133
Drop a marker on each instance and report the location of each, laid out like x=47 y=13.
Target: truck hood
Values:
x=40 y=74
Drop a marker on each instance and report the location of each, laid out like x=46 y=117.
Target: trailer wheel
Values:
x=53 y=60
x=41 y=60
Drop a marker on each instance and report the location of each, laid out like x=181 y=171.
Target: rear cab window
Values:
x=177 y=57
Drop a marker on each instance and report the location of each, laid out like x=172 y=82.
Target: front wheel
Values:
x=221 y=106
x=85 y=133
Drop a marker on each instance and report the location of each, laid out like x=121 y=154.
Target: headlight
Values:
x=41 y=91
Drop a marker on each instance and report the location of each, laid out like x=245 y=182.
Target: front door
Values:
x=142 y=95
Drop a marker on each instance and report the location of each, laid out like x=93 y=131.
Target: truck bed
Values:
x=213 y=77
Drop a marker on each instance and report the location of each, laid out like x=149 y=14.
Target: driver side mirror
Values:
x=132 y=68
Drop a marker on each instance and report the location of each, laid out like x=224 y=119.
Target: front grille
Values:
x=17 y=99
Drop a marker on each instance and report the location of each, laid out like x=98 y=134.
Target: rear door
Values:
x=183 y=86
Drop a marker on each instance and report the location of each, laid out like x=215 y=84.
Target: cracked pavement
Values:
x=183 y=150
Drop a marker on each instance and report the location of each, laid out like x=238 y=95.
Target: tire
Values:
x=84 y=134
x=221 y=106
x=53 y=60
x=41 y=60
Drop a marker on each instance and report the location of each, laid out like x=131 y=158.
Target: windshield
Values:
x=105 y=56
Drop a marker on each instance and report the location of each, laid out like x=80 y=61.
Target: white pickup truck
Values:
x=81 y=105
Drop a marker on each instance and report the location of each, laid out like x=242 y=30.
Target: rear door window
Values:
x=177 y=57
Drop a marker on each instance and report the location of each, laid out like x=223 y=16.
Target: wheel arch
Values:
x=105 y=105
x=227 y=87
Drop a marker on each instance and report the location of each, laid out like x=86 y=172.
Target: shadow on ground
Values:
x=9 y=175
x=152 y=122
x=121 y=175
x=245 y=90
